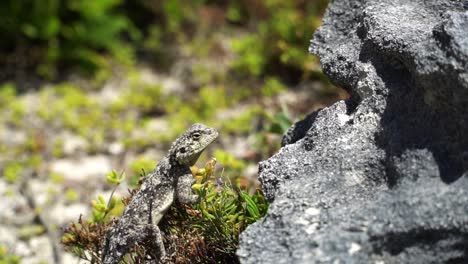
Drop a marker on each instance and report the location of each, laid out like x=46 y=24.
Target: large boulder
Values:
x=382 y=177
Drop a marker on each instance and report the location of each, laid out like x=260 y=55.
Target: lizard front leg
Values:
x=161 y=201
x=184 y=189
x=157 y=244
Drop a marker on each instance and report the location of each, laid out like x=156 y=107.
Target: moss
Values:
x=34 y=161
x=71 y=195
x=29 y=231
x=57 y=148
x=7 y=94
x=272 y=87
x=251 y=60
x=243 y=122
x=202 y=74
x=143 y=97
x=56 y=177
x=12 y=171
x=18 y=111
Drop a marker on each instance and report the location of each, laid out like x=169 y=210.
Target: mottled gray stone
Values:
x=382 y=177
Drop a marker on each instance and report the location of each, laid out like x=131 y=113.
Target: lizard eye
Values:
x=196 y=136
x=182 y=150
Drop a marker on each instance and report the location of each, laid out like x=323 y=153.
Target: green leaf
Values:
x=197 y=186
x=231 y=209
x=101 y=199
x=29 y=30
x=98 y=216
x=52 y=27
x=112 y=177
x=233 y=13
x=251 y=205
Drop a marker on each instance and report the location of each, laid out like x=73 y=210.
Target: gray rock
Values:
x=382 y=177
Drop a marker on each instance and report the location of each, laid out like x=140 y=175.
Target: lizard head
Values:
x=189 y=146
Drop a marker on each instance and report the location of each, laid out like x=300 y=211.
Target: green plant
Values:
x=85 y=239
x=69 y=31
x=243 y=122
x=278 y=41
x=6 y=257
x=229 y=161
x=12 y=171
x=272 y=87
x=89 y=36
x=251 y=58
x=143 y=97
x=12 y=108
x=71 y=195
x=29 y=231
x=206 y=232
x=7 y=94
x=56 y=177
x=280 y=122
x=70 y=108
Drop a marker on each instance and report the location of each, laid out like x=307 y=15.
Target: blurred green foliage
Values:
x=229 y=161
x=72 y=32
x=12 y=171
x=269 y=37
x=28 y=231
x=7 y=94
x=6 y=257
x=71 y=195
x=66 y=109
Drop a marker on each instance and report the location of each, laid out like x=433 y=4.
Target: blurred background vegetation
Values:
x=50 y=37
x=87 y=83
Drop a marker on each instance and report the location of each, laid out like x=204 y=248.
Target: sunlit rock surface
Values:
x=382 y=177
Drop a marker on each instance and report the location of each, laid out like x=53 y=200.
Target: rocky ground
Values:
x=52 y=168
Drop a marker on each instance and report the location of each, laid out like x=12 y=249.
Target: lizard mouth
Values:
x=212 y=136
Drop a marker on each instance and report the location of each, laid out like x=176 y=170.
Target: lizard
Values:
x=171 y=179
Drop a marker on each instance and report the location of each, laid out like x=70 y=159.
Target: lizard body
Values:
x=172 y=179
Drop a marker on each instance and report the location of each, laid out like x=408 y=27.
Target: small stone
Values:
x=63 y=214
x=73 y=144
x=82 y=169
x=41 y=251
x=69 y=258
x=116 y=148
x=8 y=236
